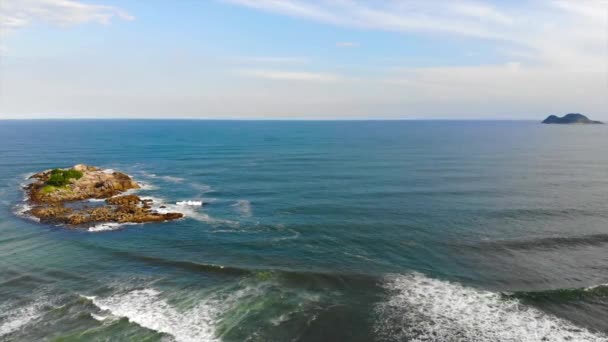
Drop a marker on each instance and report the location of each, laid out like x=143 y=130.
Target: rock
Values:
x=49 y=202
x=85 y=168
x=124 y=200
x=572 y=118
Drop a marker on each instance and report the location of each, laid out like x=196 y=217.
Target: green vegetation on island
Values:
x=59 y=177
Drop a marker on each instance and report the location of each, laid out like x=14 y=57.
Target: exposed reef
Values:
x=61 y=196
x=572 y=118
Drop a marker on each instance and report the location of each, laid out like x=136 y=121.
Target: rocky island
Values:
x=62 y=196
x=572 y=118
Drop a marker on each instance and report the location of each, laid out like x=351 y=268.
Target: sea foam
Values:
x=104 y=227
x=188 y=208
x=15 y=319
x=148 y=309
x=190 y=203
x=21 y=210
x=425 y=309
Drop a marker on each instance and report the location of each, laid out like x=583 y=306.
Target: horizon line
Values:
x=256 y=119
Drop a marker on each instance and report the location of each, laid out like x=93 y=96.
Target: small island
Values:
x=572 y=118
x=63 y=196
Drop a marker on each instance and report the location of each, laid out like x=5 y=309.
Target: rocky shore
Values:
x=61 y=196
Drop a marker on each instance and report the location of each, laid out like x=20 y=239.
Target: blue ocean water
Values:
x=315 y=231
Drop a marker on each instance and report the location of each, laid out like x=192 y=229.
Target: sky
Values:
x=303 y=59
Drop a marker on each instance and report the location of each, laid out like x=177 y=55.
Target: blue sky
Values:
x=325 y=59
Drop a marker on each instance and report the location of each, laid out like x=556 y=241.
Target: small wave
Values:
x=147 y=174
x=172 y=179
x=425 y=309
x=99 y=318
x=204 y=188
x=28 y=175
x=148 y=309
x=543 y=213
x=243 y=207
x=546 y=242
x=190 y=203
x=561 y=295
x=146 y=186
x=294 y=235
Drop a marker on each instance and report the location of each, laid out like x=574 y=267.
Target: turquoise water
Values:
x=316 y=231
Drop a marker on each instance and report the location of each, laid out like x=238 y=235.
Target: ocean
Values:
x=315 y=231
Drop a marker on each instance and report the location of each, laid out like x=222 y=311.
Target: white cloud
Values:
x=559 y=32
x=347 y=44
x=16 y=14
x=271 y=60
x=283 y=75
x=555 y=53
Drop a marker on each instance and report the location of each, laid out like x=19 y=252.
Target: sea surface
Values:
x=315 y=231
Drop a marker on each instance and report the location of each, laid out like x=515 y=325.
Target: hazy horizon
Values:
x=295 y=59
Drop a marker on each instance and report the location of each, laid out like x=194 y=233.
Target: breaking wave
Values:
x=149 y=309
x=425 y=309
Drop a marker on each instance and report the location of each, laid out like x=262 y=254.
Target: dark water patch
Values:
x=548 y=243
x=19 y=237
x=24 y=280
x=544 y=213
x=184 y=265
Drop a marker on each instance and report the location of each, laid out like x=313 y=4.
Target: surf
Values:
x=420 y=308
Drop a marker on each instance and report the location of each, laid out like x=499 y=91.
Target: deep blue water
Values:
x=316 y=231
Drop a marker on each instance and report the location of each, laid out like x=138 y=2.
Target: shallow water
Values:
x=315 y=231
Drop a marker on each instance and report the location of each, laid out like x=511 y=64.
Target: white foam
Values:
x=172 y=179
x=190 y=203
x=104 y=227
x=189 y=211
x=21 y=210
x=96 y=199
x=243 y=207
x=13 y=320
x=148 y=309
x=108 y=171
x=426 y=309
x=27 y=176
x=147 y=174
x=146 y=186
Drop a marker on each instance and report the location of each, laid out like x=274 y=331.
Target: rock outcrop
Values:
x=65 y=201
x=572 y=118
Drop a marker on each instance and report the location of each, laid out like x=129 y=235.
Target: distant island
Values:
x=572 y=118
x=62 y=196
